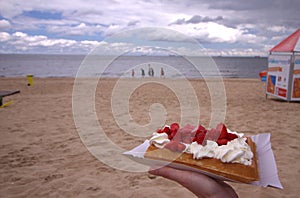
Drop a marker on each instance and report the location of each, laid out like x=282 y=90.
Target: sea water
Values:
x=53 y=65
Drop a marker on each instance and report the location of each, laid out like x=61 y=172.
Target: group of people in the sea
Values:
x=150 y=72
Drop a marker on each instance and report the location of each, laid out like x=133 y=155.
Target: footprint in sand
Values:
x=93 y=188
x=52 y=177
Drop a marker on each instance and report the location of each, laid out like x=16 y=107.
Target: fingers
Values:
x=199 y=184
x=177 y=175
x=193 y=181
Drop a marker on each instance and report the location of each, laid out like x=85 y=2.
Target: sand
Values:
x=42 y=155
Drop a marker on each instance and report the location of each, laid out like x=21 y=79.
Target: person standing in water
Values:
x=143 y=72
x=149 y=70
x=162 y=72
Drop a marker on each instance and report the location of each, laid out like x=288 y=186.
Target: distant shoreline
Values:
x=213 y=56
x=18 y=65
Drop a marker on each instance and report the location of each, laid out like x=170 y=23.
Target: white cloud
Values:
x=33 y=44
x=159 y=40
x=4 y=24
x=161 y=34
x=9 y=9
x=276 y=28
x=211 y=31
x=93 y=43
x=221 y=33
x=19 y=34
x=4 y=36
x=251 y=24
x=81 y=29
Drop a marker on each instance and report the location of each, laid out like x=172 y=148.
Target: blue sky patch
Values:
x=50 y=15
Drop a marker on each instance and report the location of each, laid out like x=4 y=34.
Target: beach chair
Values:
x=7 y=93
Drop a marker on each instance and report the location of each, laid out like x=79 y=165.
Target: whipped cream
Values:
x=159 y=140
x=235 y=151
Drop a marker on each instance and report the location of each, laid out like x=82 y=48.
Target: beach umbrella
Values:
x=289 y=44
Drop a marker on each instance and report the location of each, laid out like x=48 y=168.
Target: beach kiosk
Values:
x=283 y=76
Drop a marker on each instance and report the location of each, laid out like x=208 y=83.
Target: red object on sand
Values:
x=263 y=73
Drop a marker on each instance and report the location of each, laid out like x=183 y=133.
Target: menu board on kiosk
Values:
x=278 y=75
x=296 y=80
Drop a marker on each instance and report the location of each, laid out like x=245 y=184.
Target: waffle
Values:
x=230 y=171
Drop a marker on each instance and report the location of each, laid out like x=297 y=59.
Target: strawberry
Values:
x=159 y=131
x=212 y=134
x=167 y=130
x=180 y=147
x=187 y=139
x=201 y=129
x=175 y=146
x=222 y=141
x=164 y=130
x=186 y=134
x=193 y=134
x=223 y=130
x=172 y=145
x=176 y=136
x=231 y=136
x=199 y=138
x=170 y=136
x=173 y=132
x=188 y=128
x=174 y=127
x=199 y=134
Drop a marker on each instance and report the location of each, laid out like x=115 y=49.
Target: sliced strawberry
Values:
x=223 y=130
x=231 y=136
x=222 y=141
x=174 y=127
x=188 y=128
x=193 y=134
x=201 y=129
x=186 y=134
x=172 y=145
x=176 y=136
x=199 y=138
x=186 y=138
x=159 y=131
x=212 y=134
x=175 y=146
x=180 y=147
x=171 y=136
x=166 y=129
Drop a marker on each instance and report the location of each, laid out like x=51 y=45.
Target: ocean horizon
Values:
x=68 y=65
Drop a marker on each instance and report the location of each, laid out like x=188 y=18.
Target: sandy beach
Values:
x=42 y=154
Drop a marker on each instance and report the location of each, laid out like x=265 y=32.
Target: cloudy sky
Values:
x=222 y=27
